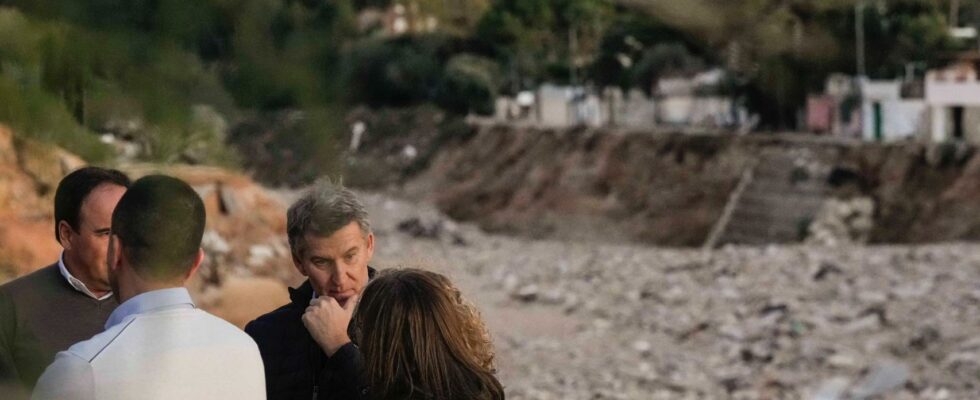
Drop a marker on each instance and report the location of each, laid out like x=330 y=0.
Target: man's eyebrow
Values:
x=351 y=250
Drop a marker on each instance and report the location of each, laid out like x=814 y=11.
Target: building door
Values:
x=958 y=122
x=878 y=122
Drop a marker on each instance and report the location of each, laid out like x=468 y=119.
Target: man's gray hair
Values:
x=323 y=210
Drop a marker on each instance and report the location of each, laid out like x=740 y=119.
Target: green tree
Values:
x=783 y=49
x=544 y=40
x=469 y=84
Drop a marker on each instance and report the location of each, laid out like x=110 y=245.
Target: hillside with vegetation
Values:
x=176 y=81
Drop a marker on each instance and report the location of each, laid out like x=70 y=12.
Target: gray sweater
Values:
x=40 y=315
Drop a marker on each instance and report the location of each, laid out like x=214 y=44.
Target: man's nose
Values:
x=340 y=278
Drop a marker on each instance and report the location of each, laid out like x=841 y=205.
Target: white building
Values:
x=559 y=106
x=694 y=102
x=953 y=97
x=886 y=115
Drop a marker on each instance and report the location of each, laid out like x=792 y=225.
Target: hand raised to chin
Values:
x=327 y=322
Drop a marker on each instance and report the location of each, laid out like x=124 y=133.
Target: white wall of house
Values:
x=945 y=89
x=562 y=106
x=713 y=112
x=971 y=124
x=880 y=90
x=567 y=106
x=900 y=119
x=675 y=87
x=695 y=111
x=553 y=105
x=634 y=110
x=588 y=111
x=675 y=110
x=944 y=93
x=505 y=108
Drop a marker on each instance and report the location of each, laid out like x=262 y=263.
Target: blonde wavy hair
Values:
x=422 y=340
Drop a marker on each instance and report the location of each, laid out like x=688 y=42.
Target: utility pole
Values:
x=573 y=52
x=859 y=33
x=954 y=13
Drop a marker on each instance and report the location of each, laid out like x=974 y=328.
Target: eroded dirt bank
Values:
x=670 y=190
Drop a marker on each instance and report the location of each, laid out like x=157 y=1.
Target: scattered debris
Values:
x=526 y=293
x=213 y=243
x=416 y=228
x=259 y=254
x=883 y=377
x=842 y=222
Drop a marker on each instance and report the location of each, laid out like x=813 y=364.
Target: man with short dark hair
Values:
x=305 y=344
x=46 y=311
x=157 y=344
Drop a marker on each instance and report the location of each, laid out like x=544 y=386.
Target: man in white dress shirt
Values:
x=157 y=344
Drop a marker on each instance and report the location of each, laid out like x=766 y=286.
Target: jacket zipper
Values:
x=315 y=360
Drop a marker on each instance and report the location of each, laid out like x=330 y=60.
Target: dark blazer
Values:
x=295 y=366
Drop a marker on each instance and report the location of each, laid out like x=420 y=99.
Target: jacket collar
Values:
x=301 y=295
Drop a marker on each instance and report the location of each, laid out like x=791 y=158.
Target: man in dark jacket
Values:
x=54 y=307
x=305 y=344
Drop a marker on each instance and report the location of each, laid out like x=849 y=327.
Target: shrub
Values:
x=38 y=115
x=392 y=73
x=468 y=85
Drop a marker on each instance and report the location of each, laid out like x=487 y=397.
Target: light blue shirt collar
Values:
x=156 y=300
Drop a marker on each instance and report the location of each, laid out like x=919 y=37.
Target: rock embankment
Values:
x=670 y=189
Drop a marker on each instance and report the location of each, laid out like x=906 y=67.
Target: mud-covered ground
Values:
x=597 y=321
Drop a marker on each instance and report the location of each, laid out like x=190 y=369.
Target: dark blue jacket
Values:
x=295 y=366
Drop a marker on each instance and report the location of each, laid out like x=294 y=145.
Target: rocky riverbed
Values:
x=599 y=321
x=584 y=320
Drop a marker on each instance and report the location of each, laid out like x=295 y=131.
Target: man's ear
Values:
x=298 y=263
x=198 y=260
x=113 y=255
x=65 y=234
x=370 y=246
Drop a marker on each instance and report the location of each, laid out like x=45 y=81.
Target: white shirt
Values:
x=158 y=345
x=75 y=282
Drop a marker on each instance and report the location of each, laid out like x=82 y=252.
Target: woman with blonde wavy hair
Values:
x=421 y=340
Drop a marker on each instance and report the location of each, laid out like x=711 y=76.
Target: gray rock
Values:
x=212 y=242
x=832 y=389
x=883 y=377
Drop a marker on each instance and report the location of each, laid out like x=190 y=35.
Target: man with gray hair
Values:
x=305 y=346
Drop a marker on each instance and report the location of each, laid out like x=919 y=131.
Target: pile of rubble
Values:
x=762 y=323
x=591 y=321
x=842 y=222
